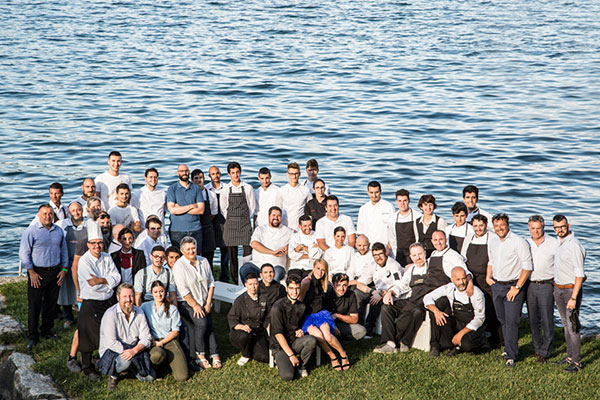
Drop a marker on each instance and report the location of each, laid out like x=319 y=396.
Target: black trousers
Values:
x=401 y=321
x=252 y=345
x=441 y=336
x=368 y=321
x=233 y=262
x=42 y=300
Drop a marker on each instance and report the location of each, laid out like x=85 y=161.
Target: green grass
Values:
x=374 y=376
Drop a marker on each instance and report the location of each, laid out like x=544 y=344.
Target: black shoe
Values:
x=194 y=367
x=434 y=352
x=111 y=384
x=453 y=352
x=573 y=367
x=541 y=359
x=502 y=357
x=563 y=361
x=31 y=344
x=93 y=376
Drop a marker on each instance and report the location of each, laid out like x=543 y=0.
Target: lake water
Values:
x=428 y=96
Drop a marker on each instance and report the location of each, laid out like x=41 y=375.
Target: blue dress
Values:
x=315 y=313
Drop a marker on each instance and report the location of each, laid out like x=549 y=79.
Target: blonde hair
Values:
x=325 y=278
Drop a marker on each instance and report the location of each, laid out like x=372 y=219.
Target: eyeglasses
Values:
x=378 y=255
x=158 y=257
x=560 y=227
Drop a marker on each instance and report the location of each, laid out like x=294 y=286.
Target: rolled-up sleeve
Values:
x=578 y=257
x=525 y=255
x=144 y=330
x=175 y=319
x=478 y=302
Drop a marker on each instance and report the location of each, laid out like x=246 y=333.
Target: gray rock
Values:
x=9 y=326
x=19 y=381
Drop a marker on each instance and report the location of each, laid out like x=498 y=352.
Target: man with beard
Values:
x=124 y=340
x=186 y=204
x=460 y=328
x=215 y=187
x=269 y=246
x=303 y=249
x=470 y=197
x=88 y=190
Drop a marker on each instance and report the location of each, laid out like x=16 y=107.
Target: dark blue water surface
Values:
x=424 y=95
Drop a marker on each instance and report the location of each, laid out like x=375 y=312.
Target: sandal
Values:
x=346 y=365
x=203 y=362
x=216 y=363
x=337 y=366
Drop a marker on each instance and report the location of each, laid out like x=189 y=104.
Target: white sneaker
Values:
x=243 y=361
x=404 y=348
x=303 y=373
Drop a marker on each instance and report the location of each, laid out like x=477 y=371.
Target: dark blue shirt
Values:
x=42 y=247
x=183 y=197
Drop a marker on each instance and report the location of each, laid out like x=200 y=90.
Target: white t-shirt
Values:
x=373 y=221
x=265 y=199
x=106 y=186
x=338 y=259
x=293 y=200
x=362 y=267
x=271 y=238
x=123 y=215
x=325 y=227
x=150 y=203
x=314 y=251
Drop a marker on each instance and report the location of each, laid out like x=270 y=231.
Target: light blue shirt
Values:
x=42 y=247
x=160 y=324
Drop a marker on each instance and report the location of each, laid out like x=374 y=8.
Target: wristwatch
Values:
x=518 y=287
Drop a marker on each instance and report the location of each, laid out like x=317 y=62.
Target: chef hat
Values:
x=93 y=230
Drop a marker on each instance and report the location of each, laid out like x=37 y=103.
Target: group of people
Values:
x=145 y=291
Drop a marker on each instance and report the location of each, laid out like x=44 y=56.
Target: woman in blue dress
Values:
x=318 y=321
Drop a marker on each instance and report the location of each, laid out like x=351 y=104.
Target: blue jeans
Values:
x=123 y=365
x=251 y=267
x=176 y=237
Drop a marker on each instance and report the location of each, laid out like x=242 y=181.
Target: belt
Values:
x=544 y=282
x=567 y=286
x=507 y=282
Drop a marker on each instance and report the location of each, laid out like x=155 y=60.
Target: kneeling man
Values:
x=468 y=313
x=125 y=339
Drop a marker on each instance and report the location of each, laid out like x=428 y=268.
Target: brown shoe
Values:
x=541 y=359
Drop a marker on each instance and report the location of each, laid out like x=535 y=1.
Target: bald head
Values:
x=362 y=244
x=88 y=188
x=215 y=175
x=459 y=278
x=438 y=239
x=183 y=172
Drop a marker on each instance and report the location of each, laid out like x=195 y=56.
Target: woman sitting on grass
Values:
x=318 y=321
x=164 y=322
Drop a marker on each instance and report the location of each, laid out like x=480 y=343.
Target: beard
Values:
x=128 y=307
x=184 y=177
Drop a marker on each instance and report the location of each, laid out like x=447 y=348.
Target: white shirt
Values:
x=106 y=186
x=452 y=293
x=294 y=199
x=450 y=259
x=116 y=330
x=211 y=188
x=373 y=220
x=212 y=198
x=463 y=231
x=411 y=216
x=441 y=223
x=123 y=215
x=385 y=277
x=248 y=191
x=542 y=257
x=193 y=280
x=314 y=251
x=508 y=257
x=60 y=211
x=472 y=239
x=325 y=226
x=338 y=259
x=271 y=238
x=146 y=244
x=310 y=185
x=486 y=214
x=362 y=266
x=102 y=267
x=150 y=203
x=402 y=288
x=568 y=261
x=265 y=199
x=67 y=222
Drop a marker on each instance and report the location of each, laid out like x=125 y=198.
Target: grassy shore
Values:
x=372 y=376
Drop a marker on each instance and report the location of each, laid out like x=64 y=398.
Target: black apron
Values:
x=456 y=242
x=237 y=230
x=88 y=322
x=436 y=276
x=477 y=262
x=417 y=285
x=463 y=313
x=425 y=237
x=218 y=223
x=208 y=233
x=405 y=236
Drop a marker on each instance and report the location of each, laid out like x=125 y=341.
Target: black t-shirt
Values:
x=273 y=293
x=249 y=312
x=314 y=297
x=344 y=305
x=315 y=210
x=286 y=319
